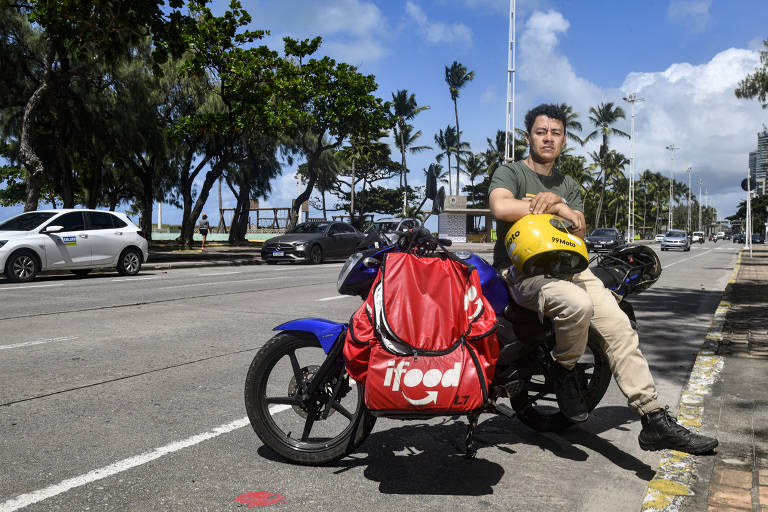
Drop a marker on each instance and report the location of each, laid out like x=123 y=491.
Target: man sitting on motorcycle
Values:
x=532 y=186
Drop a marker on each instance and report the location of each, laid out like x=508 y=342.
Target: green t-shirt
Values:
x=521 y=180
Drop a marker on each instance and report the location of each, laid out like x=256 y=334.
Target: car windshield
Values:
x=604 y=232
x=675 y=234
x=26 y=221
x=309 y=227
x=698 y=233
x=384 y=227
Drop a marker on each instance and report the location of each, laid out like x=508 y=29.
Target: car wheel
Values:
x=21 y=267
x=315 y=255
x=81 y=272
x=129 y=263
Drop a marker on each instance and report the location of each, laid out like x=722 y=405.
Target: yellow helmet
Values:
x=541 y=244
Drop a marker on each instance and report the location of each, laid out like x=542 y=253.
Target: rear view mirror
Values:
x=431 y=188
x=438 y=203
x=52 y=229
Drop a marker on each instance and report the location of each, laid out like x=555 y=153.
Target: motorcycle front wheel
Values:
x=536 y=406
x=307 y=428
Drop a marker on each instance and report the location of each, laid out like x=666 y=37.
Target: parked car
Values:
x=659 y=237
x=739 y=238
x=603 y=239
x=75 y=240
x=758 y=238
x=697 y=237
x=389 y=226
x=675 y=239
x=313 y=242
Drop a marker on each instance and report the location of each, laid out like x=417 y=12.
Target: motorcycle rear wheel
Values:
x=536 y=406
x=307 y=430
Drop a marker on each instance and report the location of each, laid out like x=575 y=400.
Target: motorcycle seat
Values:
x=526 y=323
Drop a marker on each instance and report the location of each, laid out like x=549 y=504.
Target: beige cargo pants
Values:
x=574 y=303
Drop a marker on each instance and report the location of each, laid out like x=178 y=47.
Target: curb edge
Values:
x=677 y=470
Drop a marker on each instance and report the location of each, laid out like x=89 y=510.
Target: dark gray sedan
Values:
x=313 y=242
x=604 y=239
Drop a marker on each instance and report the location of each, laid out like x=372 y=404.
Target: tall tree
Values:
x=602 y=117
x=571 y=124
x=457 y=76
x=77 y=36
x=404 y=109
x=756 y=84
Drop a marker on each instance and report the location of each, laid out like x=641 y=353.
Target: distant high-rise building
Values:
x=761 y=159
x=752 y=163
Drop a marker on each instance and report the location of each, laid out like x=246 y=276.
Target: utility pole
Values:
x=672 y=148
x=688 y=224
x=700 y=183
x=509 y=137
x=632 y=98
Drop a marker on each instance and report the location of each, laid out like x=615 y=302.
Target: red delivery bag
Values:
x=424 y=341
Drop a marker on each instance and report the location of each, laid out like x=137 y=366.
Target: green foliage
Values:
x=13 y=190
x=756 y=84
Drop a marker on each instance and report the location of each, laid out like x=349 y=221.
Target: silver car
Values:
x=676 y=239
x=74 y=240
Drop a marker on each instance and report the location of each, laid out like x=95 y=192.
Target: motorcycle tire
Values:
x=536 y=405
x=284 y=419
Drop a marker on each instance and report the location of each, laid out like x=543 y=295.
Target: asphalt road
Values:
x=127 y=394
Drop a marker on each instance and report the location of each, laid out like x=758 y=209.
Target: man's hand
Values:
x=579 y=227
x=544 y=202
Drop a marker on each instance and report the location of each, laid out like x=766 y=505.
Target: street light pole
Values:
x=688 y=225
x=671 y=149
x=700 y=183
x=632 y=98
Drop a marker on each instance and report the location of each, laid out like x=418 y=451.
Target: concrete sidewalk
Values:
x=727 y=397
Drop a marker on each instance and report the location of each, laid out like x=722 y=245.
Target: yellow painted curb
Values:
x=677 y=470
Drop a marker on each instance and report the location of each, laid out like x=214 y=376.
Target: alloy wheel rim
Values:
x=131 y=262
x=23 y=267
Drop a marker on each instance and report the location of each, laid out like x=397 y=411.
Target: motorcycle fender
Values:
x=326 y=331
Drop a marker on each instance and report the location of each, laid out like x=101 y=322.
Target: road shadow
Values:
x=429 y=459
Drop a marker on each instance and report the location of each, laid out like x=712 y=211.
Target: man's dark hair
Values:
x=551 y=111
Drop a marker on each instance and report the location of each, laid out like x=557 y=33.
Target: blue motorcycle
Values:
x=303 y=405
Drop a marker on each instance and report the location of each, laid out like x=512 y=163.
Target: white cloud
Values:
x=363 y=40
x=690 y=106
x=437 y=32
x=694 y=14
x=490 y=95
x=545 y=71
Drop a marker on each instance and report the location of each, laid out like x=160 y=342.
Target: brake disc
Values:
x=307 y=374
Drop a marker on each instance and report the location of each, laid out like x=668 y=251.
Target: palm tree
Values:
x=448 y=142
x=602 y=118
x=457 y=77
x=474 y=167
x=571 y=124
x=404 y=109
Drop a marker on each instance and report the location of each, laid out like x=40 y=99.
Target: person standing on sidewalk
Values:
x=575 y=302
x=204 y=227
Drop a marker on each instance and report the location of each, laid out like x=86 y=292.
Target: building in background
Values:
x=758 y=163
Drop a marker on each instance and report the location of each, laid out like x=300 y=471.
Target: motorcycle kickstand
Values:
x=471 y=450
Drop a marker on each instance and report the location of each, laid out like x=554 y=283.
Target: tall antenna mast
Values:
x=509 y=138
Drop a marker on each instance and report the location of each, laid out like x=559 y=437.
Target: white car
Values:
x=75 y=240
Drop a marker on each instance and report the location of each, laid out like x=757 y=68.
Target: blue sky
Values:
x=685 y=57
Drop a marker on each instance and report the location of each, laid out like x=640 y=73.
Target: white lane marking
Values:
x=148 y=278
x=217 y=274
x=25 y=500
x=221 y=282
x=334 y=298
x=689 y=258
x=24 y=287
x=39 y=342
